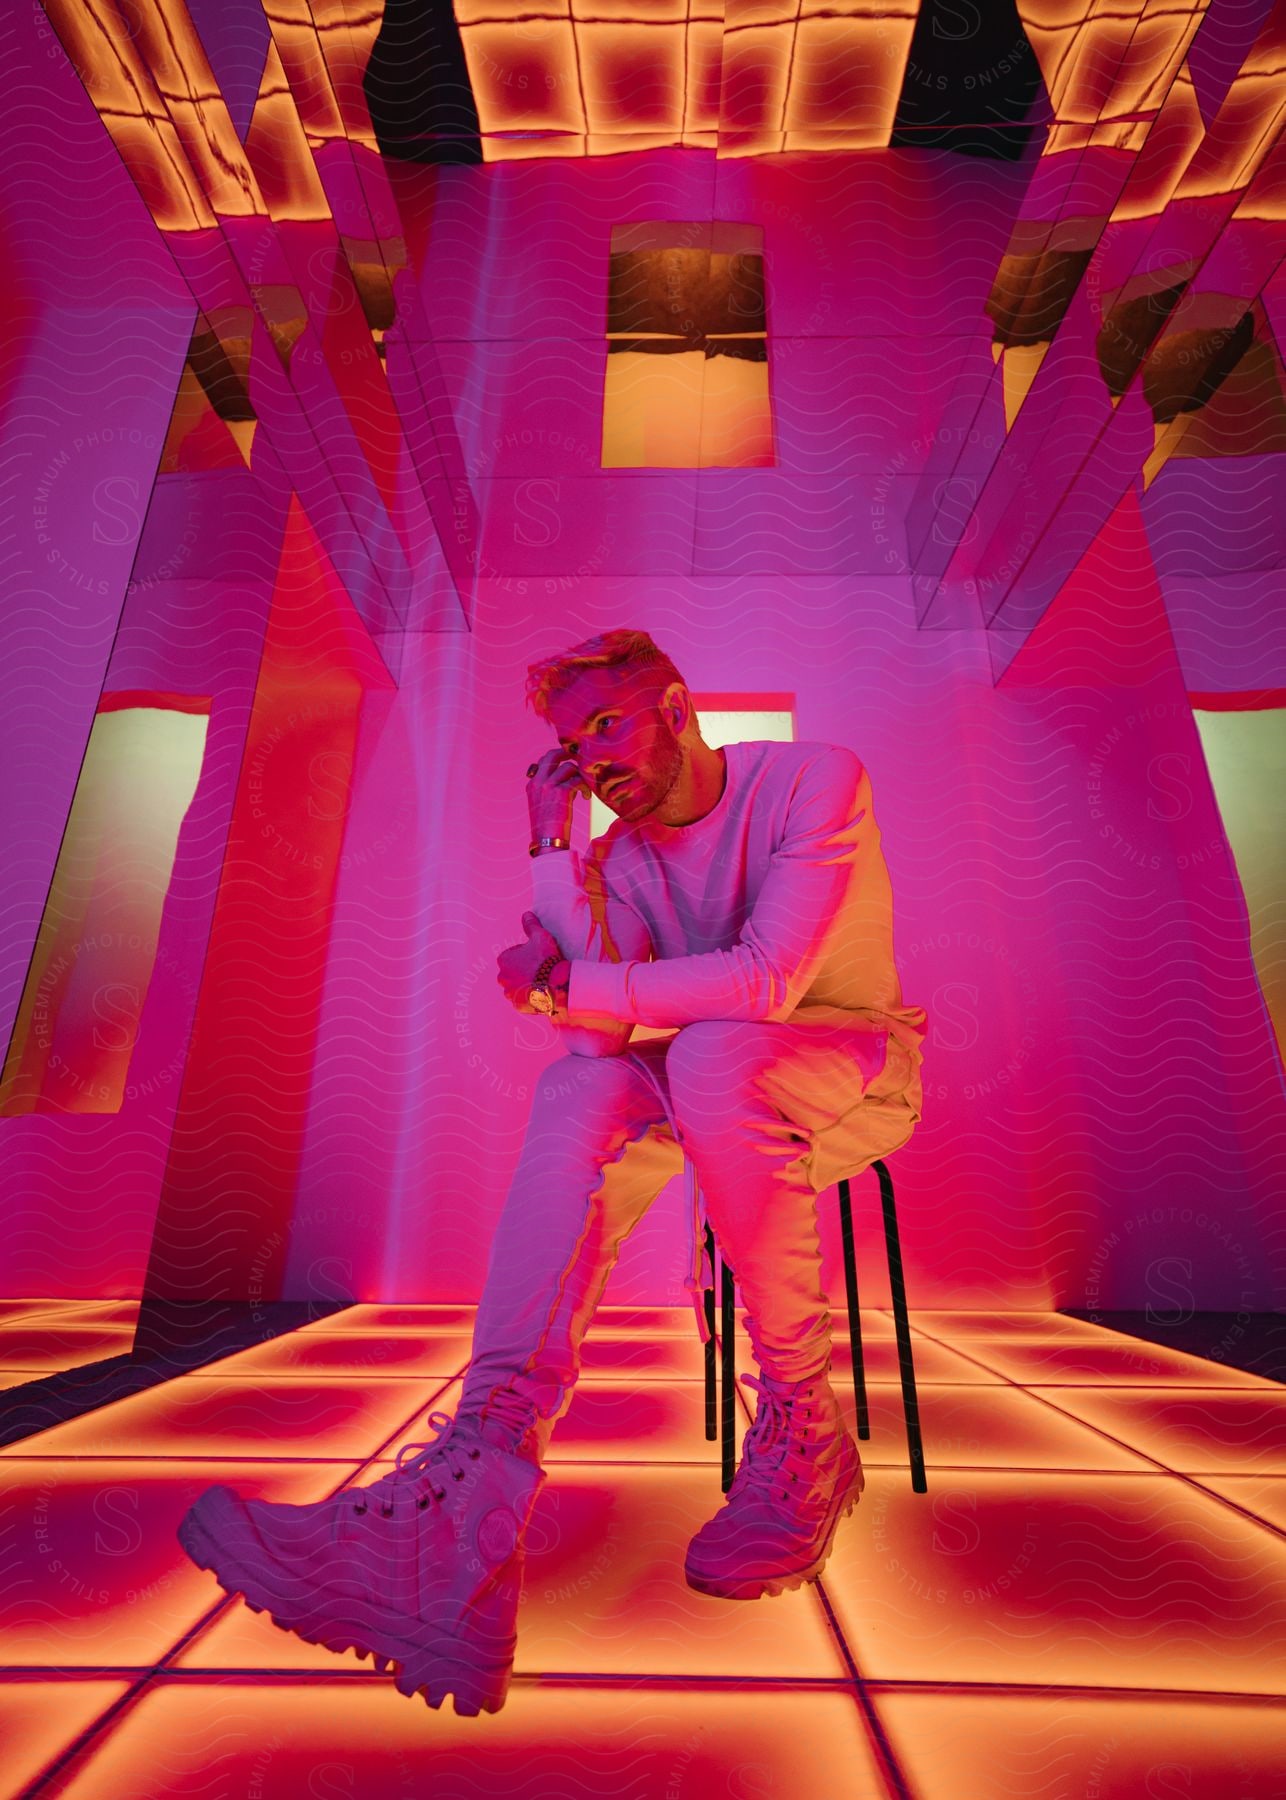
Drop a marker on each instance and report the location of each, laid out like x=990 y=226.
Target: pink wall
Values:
x=1103 y=1095
x=1098 y=1047
x=1098 y=1054
x=231 y=1176
x=82 y=1191
x=93 y=355
x=97 y=334
x=1229 y=629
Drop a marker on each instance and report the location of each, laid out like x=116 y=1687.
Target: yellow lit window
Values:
x=97 y=945
x=724 y=719
x=686 y=385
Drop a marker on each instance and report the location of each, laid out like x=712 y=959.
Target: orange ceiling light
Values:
x=109 y=58
x=813 y=77
x=324 y=47
x=632 y=77
x=525 y=78
x=278 y=149
x=577 y=77
x=1246 y=130
x=1187 y=161
x=1107 y=70
x=1173 y=140
x=153 y=87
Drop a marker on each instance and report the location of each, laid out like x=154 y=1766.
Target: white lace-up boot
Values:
x=421 y=1570
x=800 y=1474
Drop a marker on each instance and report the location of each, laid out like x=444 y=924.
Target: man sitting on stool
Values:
x=740 y=901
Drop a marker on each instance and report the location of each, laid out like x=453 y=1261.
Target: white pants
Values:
x=769 y=1114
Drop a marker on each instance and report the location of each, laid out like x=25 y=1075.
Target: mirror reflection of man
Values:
x=740 y=903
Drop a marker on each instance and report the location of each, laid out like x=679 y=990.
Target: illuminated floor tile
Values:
x=1096 y=1580
x=417 y=1429
x=39 y=1719
x=1068 y=1747
x=613 y=1421
x=103 y=1581
x=932 y=1362
x=619 y=1421
x=1230 y=1433
x=51 y=1345
x=351 y=1353
x=28 y=1309
x=71 y=1312
x=604 y=1594
x=994 y=1426
x=280 y=1741
x=240 y=1640
x=203 y=1416
x=608 y=1321
x=982 y=1427
x=605 y=1591
x=645 y=1321
x=378 y=1317
x=1032 y=1327
x=875 y=1324
x=638 y=1358
x=1264 y=1496
x=1114 y=1361
x=107 y=1312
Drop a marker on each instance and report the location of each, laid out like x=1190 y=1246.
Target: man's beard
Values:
x=658 y=777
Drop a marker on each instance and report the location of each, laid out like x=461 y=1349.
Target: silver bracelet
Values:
x=548 y=843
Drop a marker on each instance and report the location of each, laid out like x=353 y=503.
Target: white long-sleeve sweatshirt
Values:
x=775 y=905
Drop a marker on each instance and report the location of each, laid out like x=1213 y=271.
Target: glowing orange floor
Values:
x=1089 y=1601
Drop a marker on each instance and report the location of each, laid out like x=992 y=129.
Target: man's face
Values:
x=610 y=721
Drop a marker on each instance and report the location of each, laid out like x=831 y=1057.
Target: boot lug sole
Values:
x=761 y=1587
x=476 y=1688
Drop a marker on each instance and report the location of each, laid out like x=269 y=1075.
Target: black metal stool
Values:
x=724 y=1352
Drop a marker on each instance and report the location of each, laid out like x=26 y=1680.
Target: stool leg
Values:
x=901 y=1324
x=712 y=1378
x=727 y=1298
x=854 y=1311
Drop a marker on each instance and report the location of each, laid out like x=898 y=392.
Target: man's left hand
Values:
x=518 y=965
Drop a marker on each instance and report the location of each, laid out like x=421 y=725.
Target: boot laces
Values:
x=510 y=1410
x=427 y=1463
x=773 y=1455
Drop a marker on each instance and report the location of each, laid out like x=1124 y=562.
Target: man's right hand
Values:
x=551 y=791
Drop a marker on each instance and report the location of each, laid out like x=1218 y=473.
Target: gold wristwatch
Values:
x=540 y=996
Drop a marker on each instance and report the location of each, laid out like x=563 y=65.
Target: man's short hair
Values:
x=609 y=650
